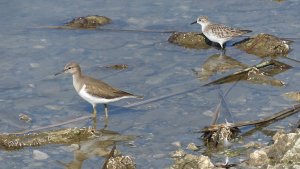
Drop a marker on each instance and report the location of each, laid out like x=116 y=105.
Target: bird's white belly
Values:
x=95 y=100
x=214 y=38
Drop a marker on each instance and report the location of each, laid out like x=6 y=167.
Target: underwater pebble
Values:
x=74 y=147
x=24 y=117
x=208 y=113
x=159 y=156
x=34 y=65
x=38 y=47
x=53 y=107
x=31 y=85
x=38 y=155
x=178 y=154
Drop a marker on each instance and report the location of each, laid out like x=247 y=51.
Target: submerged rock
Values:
x=292 y=95
x=38 y=155
x=265 y=45
x=117 y=66
x=194 y=40
x=258 y=158
x=24 y=117
x=88 y=22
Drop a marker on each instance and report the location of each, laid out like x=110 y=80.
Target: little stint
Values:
x=217 y=32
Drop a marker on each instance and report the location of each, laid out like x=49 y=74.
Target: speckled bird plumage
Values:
x=217 y=32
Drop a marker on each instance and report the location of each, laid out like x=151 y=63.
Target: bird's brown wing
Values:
x=227 y=32
x=101 y=89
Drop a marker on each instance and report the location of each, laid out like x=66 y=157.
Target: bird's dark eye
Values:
x=69 y=67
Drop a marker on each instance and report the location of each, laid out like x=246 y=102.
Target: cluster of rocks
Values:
x=284 y=153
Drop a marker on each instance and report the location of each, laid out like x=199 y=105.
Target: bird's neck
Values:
x=204 y=25
x=77 y=82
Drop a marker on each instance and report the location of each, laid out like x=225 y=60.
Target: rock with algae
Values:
x=61 y=136
x=192 y=40
x=265 y=45
x=284 y=153
x=88 y=22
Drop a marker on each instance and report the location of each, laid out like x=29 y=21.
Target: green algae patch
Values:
x=193 y=40
x=265 y=45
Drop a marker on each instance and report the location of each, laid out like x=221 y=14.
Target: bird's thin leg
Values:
x=105 y=123
x=223 y=50
x=95 y=123
x=106 y=111
x=94 y=111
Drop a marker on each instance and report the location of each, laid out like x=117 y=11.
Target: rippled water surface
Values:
x=31 y=55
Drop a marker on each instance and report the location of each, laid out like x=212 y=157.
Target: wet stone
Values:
x=24 y=117
x=121 y=162
x=183 y=160
x=192 y=146
x=284 y=152
x=88 y=22
x=258 y=158
x=292 y=95
x=265 y=45
x=117 y=66
x=194 y=40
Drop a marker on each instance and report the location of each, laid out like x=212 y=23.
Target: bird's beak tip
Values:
x=193 y=22
x=58 y=73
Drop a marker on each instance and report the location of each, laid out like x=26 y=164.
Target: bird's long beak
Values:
x=193 y=22
x=58 y=73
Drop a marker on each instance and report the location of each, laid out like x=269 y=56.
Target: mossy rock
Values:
x=265 y=45
x=193 y=40
x=88 y=22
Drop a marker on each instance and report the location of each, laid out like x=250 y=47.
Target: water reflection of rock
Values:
x=259 y=74
x=218 y=63
x=101 y=147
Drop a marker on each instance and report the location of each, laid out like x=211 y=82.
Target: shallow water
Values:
x=30 y=56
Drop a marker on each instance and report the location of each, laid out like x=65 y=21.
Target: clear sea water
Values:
x=29 y=56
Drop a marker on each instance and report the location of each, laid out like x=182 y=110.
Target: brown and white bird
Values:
x=94 y=91
x=217 y=32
